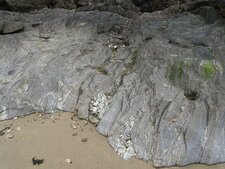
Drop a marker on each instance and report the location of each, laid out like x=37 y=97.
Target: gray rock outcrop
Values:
x=115 y=6
x=7 y=27
x=155 y=84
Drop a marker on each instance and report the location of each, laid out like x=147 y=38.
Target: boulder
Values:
x=7 y=27
x=27 y=5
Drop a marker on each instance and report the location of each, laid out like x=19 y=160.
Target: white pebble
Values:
x=73 y=125
x=68 y=160
x=10 y=136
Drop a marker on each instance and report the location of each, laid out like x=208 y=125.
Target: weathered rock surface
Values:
x=128 y=8
x=156 y=84
x=26 y=5
x=219 y=4
x=7 y=27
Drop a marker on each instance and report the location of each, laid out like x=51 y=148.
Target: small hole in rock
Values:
x=191 y=95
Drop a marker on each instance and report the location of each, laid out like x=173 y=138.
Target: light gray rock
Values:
x=155 y=83
x=7 y=27
x=12 y=27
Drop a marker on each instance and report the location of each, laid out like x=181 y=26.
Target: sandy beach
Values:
x=62 y=145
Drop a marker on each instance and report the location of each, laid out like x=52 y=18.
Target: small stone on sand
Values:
x=68 y=160
x=74 y=134
x=84 y=139
x=10 y=136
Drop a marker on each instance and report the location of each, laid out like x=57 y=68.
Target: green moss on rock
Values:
x=175 y=71
x=209 y=69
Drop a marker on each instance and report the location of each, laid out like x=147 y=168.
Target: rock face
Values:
x=122 y=7
x=155 y=84
x=127 y=8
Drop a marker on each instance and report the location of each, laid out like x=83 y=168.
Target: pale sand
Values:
x=52 y=139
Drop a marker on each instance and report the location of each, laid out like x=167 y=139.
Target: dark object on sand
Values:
x=37 y=161
x=2 y=132
x=84 y=139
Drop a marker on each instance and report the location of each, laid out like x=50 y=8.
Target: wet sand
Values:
x=54 y=139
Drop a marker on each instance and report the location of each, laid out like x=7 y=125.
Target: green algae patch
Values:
x=185 y=70
x=209 y=69
x=175 y=71
x=182 y=74
x=190 y=75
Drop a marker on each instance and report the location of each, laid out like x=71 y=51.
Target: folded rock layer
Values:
x=155 y=84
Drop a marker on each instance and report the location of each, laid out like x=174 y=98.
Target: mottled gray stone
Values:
x=7 y=27
x=155 y=83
